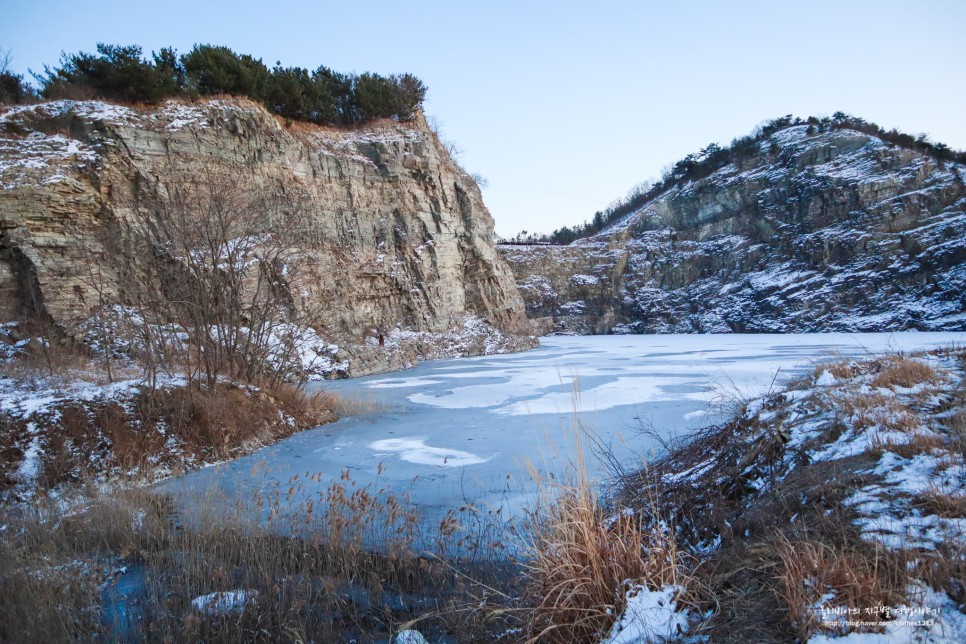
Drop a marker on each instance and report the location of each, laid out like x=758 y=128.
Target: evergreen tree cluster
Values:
x=123 y=73
x=13 y=89
x=714 y=157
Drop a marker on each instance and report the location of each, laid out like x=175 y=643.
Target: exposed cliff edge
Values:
x=816 y=231
x=399 y=241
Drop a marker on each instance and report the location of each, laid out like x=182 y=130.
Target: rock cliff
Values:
x=399 y=241
x=816 y=231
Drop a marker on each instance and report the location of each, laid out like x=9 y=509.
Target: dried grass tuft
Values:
x=910 y=445
x=840 y=369
x=904 y=372
x=581 y=562
x=949 y=505
x=580 y=567
x=813 y=575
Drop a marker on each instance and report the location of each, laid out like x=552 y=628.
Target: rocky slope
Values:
x=839 y=495
x=817 y=231
x=397 y=235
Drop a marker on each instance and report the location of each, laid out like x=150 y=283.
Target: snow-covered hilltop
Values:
x=834 y=230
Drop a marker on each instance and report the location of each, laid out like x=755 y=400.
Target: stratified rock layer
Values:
x=834 y=231
x=398 y=240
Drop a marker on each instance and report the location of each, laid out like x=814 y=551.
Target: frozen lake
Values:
x=451 y=431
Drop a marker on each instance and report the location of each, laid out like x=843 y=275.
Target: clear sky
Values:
x=564 y=106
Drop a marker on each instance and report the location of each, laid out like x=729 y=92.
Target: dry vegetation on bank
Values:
x=122 y=565
x=69 y=425
x=837 y=499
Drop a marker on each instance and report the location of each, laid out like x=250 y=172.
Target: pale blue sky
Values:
x=563 y=106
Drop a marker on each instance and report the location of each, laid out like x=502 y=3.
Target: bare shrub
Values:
x=206 y=263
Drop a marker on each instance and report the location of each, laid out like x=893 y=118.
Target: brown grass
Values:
x=163 y=429
x=957 y=430
x=315 y=578
x=904 y=372
x=875 y=410
x=50 y=579
x=944 y=504
x=857 y=577
x=853 y=402
x=308 y=407
x=918 y=442
x=40 y=359
x=944 y=570
x=784 y=547
x=356 y=406
x=840 y=369
x=581 y=563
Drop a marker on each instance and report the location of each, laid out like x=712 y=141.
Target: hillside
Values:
x=834 y=230
x=390 y=236
x=831 y=509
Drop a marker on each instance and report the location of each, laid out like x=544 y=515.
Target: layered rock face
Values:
x=835 y=231
x=397 y=240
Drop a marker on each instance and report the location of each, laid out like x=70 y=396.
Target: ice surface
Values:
x=466 y=429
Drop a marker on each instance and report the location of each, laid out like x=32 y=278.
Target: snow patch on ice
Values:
x=415 y=450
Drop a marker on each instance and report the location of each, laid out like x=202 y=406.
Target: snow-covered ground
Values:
x=452 y=431
x=877 y=444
